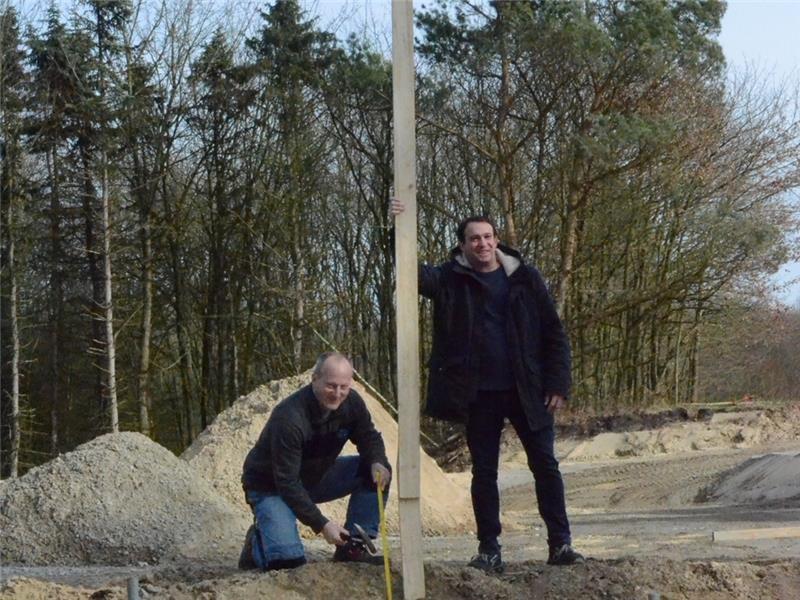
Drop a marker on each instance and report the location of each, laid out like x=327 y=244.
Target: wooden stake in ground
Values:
x=408 y=378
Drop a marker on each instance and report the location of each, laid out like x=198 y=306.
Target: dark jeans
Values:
x=484 y=426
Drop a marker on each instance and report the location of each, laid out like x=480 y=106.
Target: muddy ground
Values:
x=642 y=508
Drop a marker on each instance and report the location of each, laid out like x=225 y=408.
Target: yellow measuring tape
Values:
x=384 y=541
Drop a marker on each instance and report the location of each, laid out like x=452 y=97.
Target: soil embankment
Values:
x=219 y=452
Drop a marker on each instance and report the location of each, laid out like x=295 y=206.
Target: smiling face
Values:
x=479 y=245
x=333 y=382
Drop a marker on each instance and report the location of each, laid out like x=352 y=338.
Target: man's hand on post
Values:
x=395 y=207
x=553 y=402
x=381 y=475
x=335 y=534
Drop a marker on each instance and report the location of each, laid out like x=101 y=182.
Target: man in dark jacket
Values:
x=499 y=352
x=295 y=465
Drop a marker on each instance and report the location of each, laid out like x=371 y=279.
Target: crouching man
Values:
x=295 y=465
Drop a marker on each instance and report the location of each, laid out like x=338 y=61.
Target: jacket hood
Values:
x=509 y=259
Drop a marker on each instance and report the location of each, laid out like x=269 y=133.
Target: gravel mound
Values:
x=219 y=453
x=769 y=479
x=120 y=499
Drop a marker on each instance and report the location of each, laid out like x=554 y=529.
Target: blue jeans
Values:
x=278 y=537
x=484 y=426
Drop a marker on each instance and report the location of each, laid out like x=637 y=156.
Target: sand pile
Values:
x=724 y=430
x=24 y=588
x=764 y=479
x=119 y=499
x=219 y=453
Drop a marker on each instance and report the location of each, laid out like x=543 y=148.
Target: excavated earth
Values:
x=643 y=504
x=218 y=453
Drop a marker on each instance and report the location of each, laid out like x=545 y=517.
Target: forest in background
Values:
x=194 y=201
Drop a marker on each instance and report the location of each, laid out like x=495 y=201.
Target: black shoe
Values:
x=488 y=562
x=246 y=562
x=285 y=563
x=354 y=550
x=564 y=555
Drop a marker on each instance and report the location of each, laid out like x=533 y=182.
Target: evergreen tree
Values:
x=292 y=60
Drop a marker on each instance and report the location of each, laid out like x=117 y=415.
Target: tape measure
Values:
x=384 y=541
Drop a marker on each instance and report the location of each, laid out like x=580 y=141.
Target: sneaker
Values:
x=488 y=562
x=246 y=562
x=354 y=550
x=564 y=555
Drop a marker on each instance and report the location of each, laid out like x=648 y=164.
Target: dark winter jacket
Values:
x=301 y=441
x=538 y=346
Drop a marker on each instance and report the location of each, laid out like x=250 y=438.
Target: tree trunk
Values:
x=147 y=327
x=178 y=304
x=12 y=301
x=96 y=302
x=299 y=311
x=111 y=351
x=570 y=246
x=505 y=156
x=56 y=297
x=187 y=373
x=207 y=348
x=8 y=193
x=234 y=372
x=694 y=375
x=677 y=381
x=576 y=199
x=223 y=333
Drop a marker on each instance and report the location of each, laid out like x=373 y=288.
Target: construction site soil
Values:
x=649 y=498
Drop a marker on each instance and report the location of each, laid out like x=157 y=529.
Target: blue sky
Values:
x=763 y=34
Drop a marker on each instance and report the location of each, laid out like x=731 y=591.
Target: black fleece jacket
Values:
x=301 y=441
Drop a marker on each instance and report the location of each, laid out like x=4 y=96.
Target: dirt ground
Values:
x=642 y=508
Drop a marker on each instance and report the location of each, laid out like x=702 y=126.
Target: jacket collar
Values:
x=509 y=259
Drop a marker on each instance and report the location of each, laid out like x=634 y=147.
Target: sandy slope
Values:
x=219 y=452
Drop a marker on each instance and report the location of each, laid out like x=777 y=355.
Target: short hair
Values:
x=462 y=227
x=318 y=366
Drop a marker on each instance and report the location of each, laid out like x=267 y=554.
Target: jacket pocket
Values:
x=534 y=385
x=448 y=389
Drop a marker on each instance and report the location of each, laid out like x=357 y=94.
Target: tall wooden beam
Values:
x=405 y=189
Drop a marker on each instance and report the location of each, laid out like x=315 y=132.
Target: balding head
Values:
x=331 y=379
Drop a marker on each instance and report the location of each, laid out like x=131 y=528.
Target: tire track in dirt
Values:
x=662 y=483
x=636 y=484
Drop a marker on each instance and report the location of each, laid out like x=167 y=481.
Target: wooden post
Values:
x=408 y=379
x=133 y=588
